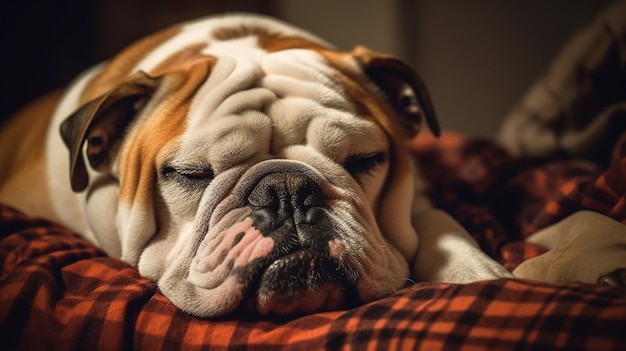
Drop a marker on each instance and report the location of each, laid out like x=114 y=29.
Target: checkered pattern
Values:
x=502 y=199
x=59 y=292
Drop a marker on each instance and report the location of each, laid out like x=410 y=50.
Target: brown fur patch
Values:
x=184 y=57
x=121 y=65
x=168 y=121
x=368 y=105
x=267 y=40
x=238 y=32
x=23 y=160
x=274 y=43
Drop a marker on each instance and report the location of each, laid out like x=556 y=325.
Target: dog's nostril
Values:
x=287 y=193
x=310 y=195
x=264 y=195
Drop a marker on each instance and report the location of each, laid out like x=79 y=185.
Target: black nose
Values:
x=290 y=206
x=288 y=195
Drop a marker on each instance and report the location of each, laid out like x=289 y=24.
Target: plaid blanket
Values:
x=503 y=199
x=59 y=292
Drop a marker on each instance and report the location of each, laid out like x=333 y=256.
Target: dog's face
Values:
x=252 y=166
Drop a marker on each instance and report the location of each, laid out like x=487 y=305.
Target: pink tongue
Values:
x=251 y=246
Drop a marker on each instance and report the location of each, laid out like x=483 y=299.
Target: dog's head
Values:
x=246 y=163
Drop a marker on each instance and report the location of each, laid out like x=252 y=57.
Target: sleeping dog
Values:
x=239 y=162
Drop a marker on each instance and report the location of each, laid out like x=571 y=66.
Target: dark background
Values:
x=45 y=43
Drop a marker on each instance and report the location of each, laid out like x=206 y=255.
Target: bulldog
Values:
x=239 y=162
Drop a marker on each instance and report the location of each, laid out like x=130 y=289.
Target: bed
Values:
x=561 y=150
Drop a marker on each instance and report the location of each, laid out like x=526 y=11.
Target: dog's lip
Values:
x=303 y=281
x=302 y=269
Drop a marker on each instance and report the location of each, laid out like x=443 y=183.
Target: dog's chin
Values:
x=298 y=283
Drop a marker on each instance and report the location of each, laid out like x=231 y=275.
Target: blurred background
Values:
x=477 y=57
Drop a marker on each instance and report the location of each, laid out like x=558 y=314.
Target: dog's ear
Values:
x=402 y=85
x=101 y=122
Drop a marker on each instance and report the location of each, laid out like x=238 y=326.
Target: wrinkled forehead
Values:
x=290 y=97
x=240 y=83
x=291 y=89
x=285 y=88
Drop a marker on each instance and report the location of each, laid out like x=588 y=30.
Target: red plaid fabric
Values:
x=502 y=199
x=58 y=292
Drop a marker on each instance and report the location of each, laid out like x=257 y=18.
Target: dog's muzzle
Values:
x=304 y=271
x=281 y=241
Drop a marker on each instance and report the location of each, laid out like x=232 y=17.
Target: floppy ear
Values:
x=402 y=85
x=101 y=122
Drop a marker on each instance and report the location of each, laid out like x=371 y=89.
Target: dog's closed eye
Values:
x=197 y=174
x=359 y=165
x=201 y=175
